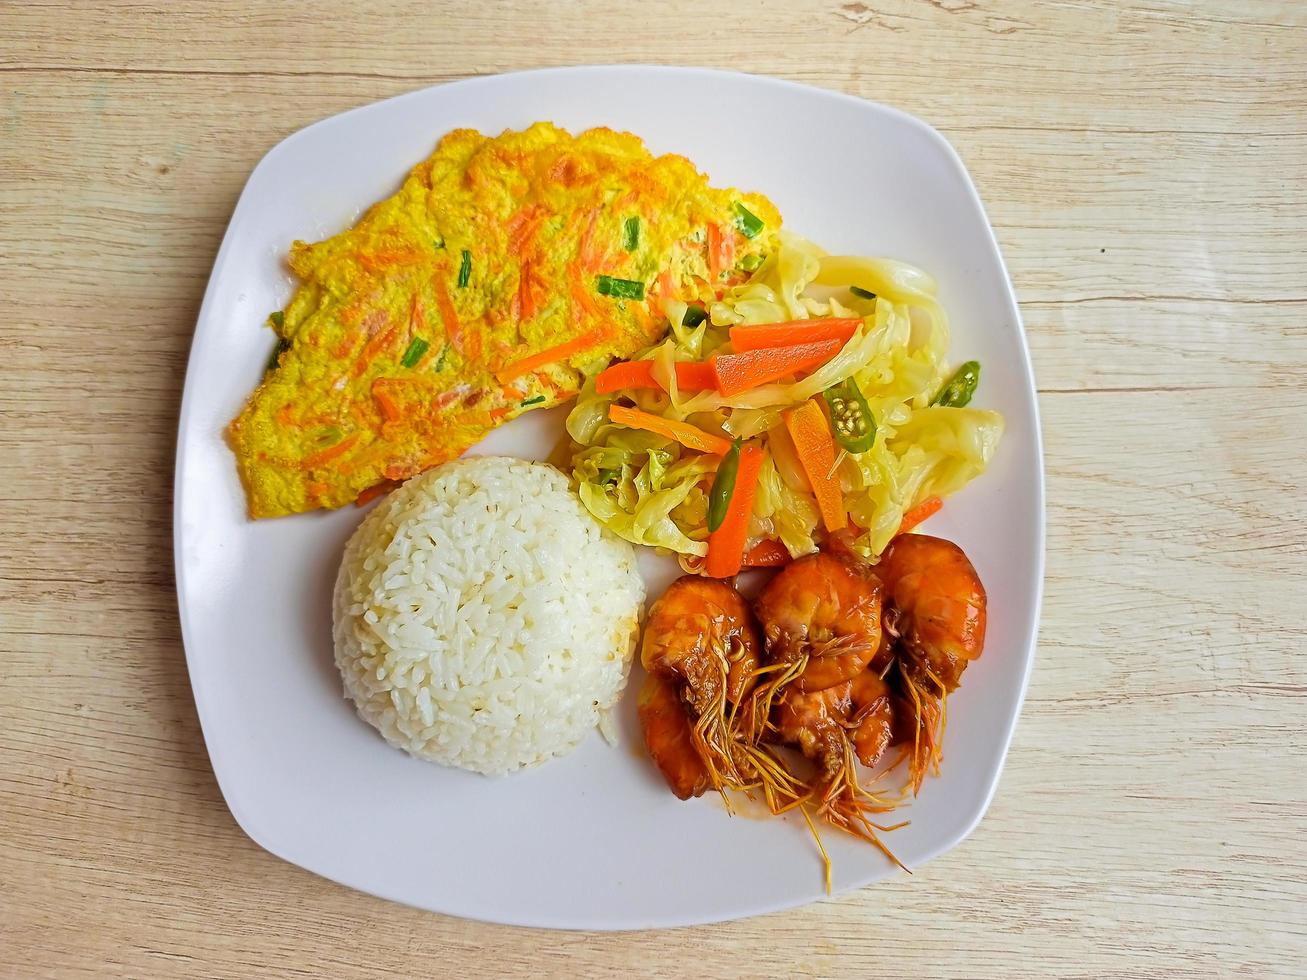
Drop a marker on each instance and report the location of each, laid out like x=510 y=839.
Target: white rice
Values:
x=483 y=619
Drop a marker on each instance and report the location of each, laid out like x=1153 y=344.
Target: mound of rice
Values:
x=482 y=618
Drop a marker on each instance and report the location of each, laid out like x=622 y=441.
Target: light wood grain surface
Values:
x=1143 y=165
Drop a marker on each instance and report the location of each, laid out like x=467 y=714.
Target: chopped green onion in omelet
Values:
x=625 y=288
x=416 y=348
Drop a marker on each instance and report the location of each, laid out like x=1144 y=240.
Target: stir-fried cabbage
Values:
x=652 y=491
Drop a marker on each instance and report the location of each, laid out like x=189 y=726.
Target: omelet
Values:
x=505 y=272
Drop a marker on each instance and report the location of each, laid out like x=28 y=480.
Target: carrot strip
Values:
x=740 y=372
x=522 y=227
x=690 y=376
x=767 y=553
x=759 y=336
x=330 y=453
x=373 y=492
x=588 y=255
x=721 y=251
x=694 y=376
x=915 y=515
x=714 y=251
x=555 y=390
x=549 y=355
x=417 y=321
x=810 y=431
x=448 y=314
x=401 y=471
x=625 y=375
x=525 y=299
x=580 y=294
x=687 y=435
x=664 y=284
x=372 y=348
x=389 y=408
x=388 y=258
x=726 y=249
x=726 y=544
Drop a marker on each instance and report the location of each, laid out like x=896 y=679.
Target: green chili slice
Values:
x=620 y=288
x=533 y=400
x=465 y=269
x=750 y=263
x=851 y=419
x=723 y=485
x=864 y=293
x=957 y=391
x=631 y=233
x=748 y=222
x=694 y=315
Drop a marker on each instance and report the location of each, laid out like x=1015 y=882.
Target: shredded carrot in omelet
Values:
x=503 y=273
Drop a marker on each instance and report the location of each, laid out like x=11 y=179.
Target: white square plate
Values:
x=593 y=840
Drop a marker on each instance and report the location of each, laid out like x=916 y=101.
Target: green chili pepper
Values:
x=723 y=485
x=534 y=400
x=748 y=222
x=623 y=288
x=416 y=348
x=864 y=293
x=631 y=233
x=851 y=419
x=957 y=391
x=465 y=269
x=694 y=315
x=750 y=263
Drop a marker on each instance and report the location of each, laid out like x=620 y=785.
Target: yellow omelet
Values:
x=504 y=272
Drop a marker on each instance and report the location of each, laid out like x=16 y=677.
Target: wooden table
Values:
x=1143 y=164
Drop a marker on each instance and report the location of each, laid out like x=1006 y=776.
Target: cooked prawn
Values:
x=935 y=611
x=871 y=717
x=827 y=608
x=832 y=727
x=669 y=734
x=852 y=660
x=819 y=723
x=701 y=644
x=814 y=722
